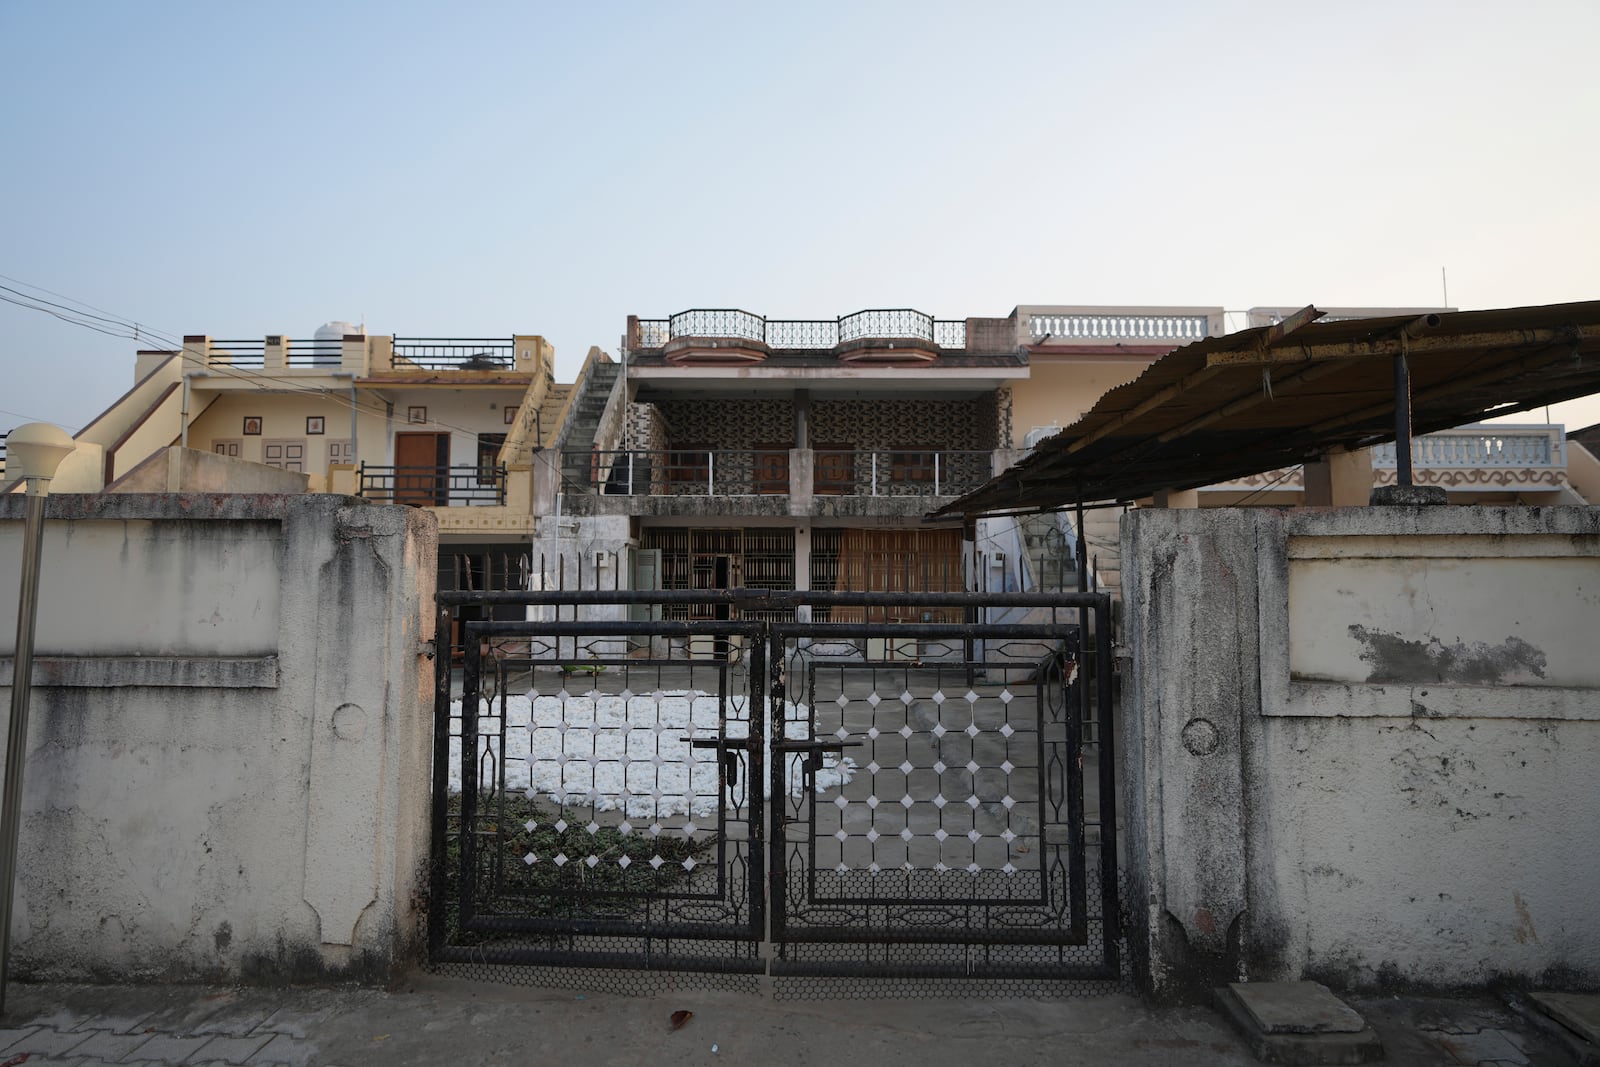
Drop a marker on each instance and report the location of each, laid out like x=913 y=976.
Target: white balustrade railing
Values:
x=1164 y=329
x=1482 y=446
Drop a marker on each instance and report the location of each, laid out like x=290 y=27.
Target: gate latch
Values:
x=728 y=756
x=814 y=751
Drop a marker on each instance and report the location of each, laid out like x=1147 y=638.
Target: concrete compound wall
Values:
x=228 y=754
x=1361 y=746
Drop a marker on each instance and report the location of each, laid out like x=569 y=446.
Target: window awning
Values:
x=1228 y=407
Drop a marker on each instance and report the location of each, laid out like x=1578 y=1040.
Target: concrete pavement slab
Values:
x=46 y=1041
x=1296 y=1008
x=172 y=1048
x=230 y=1049
x=106 y=1045
x=1579 y=1012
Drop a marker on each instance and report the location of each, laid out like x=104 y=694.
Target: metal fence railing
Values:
x=760 y=472
x=456 y=353
x=872 y=324
x=435 y=487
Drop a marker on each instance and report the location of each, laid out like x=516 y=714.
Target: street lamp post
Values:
x=34 y=452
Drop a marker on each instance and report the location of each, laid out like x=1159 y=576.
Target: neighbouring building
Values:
x=724 y=449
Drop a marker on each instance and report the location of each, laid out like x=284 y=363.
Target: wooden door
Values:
x=422 y=469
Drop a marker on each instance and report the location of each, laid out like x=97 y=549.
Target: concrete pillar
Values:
x=353 y=354
x=1189 y=583
x=1339 y=479
x=802 y=491
x=380 y=354
x=275 y=354
x=802 y=418
x=1176 y=498
x=196 y=352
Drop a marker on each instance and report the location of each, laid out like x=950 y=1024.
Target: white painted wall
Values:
x=1362 y=744
x=229 y=751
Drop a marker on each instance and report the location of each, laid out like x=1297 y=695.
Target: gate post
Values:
x=1190 y=583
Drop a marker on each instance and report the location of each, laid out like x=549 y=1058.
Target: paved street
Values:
x=432 y=1020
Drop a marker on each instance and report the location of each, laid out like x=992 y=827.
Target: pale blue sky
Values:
x=484 y=169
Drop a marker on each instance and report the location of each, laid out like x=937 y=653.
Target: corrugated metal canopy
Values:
x=1228 y=407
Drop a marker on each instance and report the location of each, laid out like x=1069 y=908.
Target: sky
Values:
x=481 y=169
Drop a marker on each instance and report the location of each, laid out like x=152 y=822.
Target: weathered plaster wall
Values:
x=228 y=753
x=1361 y=745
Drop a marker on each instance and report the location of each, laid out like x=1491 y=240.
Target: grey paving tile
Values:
x=12 y=1036
x=172 y=1048
x=56 y=1017
x=46 y=1042
x=182 y=1016
x=107 y=1045
x=118 y=1021
x=230 y=1049
x=238 y=1017
x=284 y=1049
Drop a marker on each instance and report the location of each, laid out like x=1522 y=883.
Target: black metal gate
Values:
x=795 y=784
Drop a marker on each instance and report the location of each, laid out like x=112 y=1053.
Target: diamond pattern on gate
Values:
x=951 y=787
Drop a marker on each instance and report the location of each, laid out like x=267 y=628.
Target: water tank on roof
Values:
x=330 y=337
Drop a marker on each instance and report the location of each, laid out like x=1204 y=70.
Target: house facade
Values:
x=738 y=451
x=724 y=449
x=448 y=424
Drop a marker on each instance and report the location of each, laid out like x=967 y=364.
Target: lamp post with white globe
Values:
x=34 y=452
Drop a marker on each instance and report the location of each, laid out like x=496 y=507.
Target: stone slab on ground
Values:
x=1579 y=1012
x=1298 y=1023
x=1572 y=1019
x=1297 y=1008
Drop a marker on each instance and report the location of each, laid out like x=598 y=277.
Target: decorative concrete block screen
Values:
x=228 y=754
x=1362 y=745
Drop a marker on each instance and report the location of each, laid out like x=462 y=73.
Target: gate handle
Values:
x=814 y=750
x=728 y=750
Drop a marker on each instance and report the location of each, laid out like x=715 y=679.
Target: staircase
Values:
x=1050 y=541
x=590 y=406
x=555 y=398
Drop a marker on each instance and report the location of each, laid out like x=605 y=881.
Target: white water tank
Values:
x=329 y=338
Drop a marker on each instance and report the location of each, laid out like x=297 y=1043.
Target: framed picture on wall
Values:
x=314 y=424
x=417 y=413
x=252 y=425
x=511 y=413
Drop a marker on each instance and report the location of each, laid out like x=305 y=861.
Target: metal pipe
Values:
x=1402 y=420
x=183 y=436
x=17 y=735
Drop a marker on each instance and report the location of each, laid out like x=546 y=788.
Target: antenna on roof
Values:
x=1444 y=280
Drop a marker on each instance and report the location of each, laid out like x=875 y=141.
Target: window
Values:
x=289 y=455
x=912 y=466
x=689 y=466
x=771 y=469
x=489 y=457
x=835 y=470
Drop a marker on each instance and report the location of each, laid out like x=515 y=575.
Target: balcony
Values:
x=433 y=487
x=729 y=335
x=361 y=355
x=797 y=478
x=1125 y=327
x=1492 y=457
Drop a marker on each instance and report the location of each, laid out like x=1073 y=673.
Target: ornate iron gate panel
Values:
x=956 y=846
x=603 y=804
x=837 y=793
